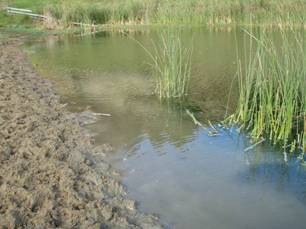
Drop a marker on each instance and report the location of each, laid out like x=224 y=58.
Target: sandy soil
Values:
x=51 y=174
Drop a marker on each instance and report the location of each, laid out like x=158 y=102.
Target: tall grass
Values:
x=272 y=102
x=235 y=12
x=200 y=12
x=103 y=12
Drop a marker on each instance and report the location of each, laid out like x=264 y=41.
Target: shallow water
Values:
x=170 y=166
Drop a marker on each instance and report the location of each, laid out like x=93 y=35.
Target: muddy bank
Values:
x=51 y=174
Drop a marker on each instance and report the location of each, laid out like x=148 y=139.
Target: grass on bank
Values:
x=200 y=12
x=272 y=102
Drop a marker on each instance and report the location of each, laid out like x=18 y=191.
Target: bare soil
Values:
x=51 y=173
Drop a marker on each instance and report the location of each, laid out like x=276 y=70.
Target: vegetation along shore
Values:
x=280 y=13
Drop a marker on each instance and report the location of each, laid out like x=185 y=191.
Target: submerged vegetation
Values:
x=201 y=12
x=272 y=86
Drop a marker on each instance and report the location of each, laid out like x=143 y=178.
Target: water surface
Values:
x=170 y=166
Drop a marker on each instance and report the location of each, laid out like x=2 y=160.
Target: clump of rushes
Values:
x=272 y=102
x=172 y=67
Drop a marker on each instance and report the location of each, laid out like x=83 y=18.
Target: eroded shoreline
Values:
x=51 y=173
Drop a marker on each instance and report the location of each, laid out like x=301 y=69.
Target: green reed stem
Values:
x=172 y=67
x=272 y=86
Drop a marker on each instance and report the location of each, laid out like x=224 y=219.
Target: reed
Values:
x=199 y=12
x=172 y=67
x=272 y=86
x=103 y=12
x=279 y=13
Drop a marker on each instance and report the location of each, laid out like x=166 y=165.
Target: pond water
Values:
x=171 y=166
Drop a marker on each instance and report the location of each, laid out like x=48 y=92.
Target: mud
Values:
x=51 y=173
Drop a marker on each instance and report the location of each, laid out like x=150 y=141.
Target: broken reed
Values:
x=272 y=101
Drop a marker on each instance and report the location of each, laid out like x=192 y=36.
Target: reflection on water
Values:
x=170 y=166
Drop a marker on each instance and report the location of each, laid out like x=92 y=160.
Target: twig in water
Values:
x=254 y=145
x=214 y=132
x=211 y=125
x=285 y=157
x=196 y=122
x=102 y=114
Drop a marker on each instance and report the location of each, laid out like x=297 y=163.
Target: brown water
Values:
x=170 y=166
